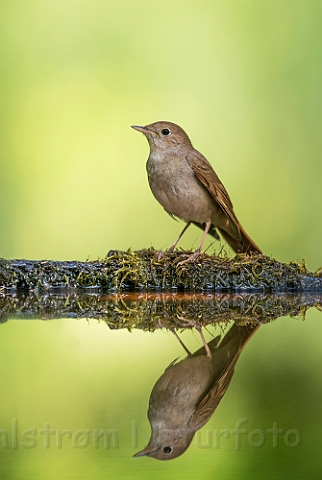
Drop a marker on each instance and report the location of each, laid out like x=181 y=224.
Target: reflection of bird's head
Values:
x=164 y=135
x=168 y=444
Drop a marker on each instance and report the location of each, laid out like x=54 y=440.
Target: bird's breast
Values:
x=176 y=188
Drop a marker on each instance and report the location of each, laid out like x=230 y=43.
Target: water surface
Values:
x=75 y=390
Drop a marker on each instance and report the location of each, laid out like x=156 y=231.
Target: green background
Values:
x=243 y=78
x=78 y=376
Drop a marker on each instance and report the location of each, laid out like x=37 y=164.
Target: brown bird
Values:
x=187 y=394
x=185 y=184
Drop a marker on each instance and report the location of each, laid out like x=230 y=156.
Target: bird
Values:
x=188 y=392
x=186 y=185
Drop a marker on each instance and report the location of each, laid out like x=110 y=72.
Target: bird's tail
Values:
x=243 y=245
x=234 y=339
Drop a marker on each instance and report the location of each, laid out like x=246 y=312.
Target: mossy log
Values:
x=149 y=270
x=150 y=311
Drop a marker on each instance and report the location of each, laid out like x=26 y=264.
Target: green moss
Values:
x=151 y=270
x=150 y=311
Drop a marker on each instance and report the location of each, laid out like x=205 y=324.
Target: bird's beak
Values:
x=139 y=129
x=146 y=451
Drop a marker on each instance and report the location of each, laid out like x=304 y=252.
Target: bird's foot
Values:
x=191 y=258
x=161 y=254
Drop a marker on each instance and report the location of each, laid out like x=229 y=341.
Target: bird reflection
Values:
x=187 y=394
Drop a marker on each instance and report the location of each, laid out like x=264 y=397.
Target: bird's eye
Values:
x=167 y=450
x=165 y=131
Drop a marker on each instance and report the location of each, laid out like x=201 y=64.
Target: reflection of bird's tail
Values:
x=243 y=245
x=237 y=335
x=241 y=332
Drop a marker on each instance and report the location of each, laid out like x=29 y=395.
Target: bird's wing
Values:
x=206 y=175
x=209 y=402
x=224 y=359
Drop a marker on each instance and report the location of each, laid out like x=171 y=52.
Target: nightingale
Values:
x=187 y=394
x=185 y=184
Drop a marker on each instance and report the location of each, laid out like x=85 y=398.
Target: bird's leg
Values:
x=197 y=252
x=199 y=330
x=180 y=341
x=171 y=249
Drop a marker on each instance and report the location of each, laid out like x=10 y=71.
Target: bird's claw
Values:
x=191 y=258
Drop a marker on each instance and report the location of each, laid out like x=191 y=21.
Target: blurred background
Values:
x=76 y=377
x=243 y=78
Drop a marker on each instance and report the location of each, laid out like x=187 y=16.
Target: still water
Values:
x=77 y=373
